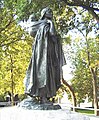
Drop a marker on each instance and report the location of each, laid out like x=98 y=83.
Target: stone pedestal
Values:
x=16 y=113
x=33 y=104
x=30 y=109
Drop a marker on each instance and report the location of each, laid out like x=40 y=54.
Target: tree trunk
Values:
x=72 y=94
x=12 y=82
x=95 y=91
x=94 y=78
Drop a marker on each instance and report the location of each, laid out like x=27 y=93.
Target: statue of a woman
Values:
x=45 y=69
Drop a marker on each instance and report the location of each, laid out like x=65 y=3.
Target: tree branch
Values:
x=91 y=11
x=85 y=6
x=7 y=25
x=96 y=9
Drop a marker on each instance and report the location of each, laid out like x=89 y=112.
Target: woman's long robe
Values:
x=45 y=68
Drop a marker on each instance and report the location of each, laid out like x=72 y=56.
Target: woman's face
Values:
x=49 y=14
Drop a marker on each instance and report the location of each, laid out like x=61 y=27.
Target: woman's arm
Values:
x=52 y=27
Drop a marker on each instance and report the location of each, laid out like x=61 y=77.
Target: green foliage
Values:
x=15 y=52
x=2 y=98
x=64 y=20
x=83 y=53
x=23 y=8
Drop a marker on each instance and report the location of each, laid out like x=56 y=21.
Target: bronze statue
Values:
x=45 y=69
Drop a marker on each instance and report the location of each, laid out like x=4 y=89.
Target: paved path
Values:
x=92 y=117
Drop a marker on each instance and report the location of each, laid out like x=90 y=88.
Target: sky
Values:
x=67 y=72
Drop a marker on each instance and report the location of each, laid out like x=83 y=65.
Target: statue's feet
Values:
x=27 y=93
x=44 y=100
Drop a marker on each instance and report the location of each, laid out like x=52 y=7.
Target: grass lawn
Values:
x=85 y=111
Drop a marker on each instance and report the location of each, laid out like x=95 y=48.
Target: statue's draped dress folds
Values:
x=45 y=68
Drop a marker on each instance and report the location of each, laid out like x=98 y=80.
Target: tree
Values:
x=15 y=51
x=85 y=59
